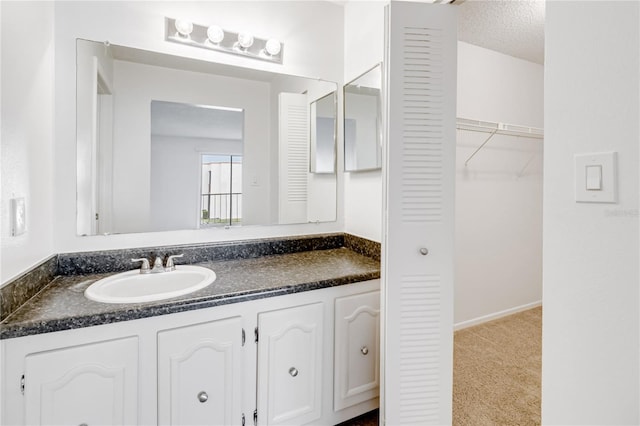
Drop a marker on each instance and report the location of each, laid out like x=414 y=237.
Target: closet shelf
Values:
x=496 y=129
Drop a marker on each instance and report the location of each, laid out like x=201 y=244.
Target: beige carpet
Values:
x=496 y=373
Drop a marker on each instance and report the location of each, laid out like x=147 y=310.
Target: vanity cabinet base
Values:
x=271 y=359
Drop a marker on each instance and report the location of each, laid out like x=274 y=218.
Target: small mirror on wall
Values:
x=362 y=122
x=323 y=134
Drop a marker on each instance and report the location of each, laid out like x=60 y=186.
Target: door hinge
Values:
x=97 y=216
x=255 y=417
x=242 y=419
x=244 y=337
x=22 y=384
x=256 y=333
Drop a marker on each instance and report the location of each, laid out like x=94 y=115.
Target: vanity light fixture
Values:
x=272 y=47
x=183 y=27
x=215 y=34
x=213 y=37
x=245 y=40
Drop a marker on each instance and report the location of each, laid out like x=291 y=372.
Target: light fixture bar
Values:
x=243 y=44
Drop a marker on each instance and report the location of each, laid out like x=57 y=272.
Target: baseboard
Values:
x=495 y=315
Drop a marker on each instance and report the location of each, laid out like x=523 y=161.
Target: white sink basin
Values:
x=134 y=287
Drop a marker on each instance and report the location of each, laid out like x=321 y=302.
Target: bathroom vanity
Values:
x=289 y=338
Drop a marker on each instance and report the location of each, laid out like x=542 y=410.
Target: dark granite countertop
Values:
x=61 y=305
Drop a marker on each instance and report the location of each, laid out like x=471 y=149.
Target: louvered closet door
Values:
x=419 y=195
x=294 y=157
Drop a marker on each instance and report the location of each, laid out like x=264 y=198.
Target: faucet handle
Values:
x=145 y=265
x=170 y=265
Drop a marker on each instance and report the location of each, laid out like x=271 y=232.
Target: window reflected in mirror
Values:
x=362 y=122
x=221 y=202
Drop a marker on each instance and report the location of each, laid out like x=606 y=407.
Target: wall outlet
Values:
x=18 y=216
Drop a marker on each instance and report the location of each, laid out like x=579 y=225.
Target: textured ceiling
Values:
x=513 y=27
x=195 y=121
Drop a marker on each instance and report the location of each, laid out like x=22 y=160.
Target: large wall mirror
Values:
x=169 y=143
x=363 y=122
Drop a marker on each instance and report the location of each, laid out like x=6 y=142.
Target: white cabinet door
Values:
x=290 y=365
x=357 y=349
x=93 y=384
x=199 y=374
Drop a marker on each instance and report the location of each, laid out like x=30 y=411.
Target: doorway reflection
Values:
x=221 y=200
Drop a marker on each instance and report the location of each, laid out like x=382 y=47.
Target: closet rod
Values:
x=494 y=128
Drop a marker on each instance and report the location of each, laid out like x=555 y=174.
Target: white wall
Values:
x=136 y=86
x=499 y=194
x=304 y=27
x=362 y=131
x=92 y=59
x=176 y=179
x=27 y=153
x=363 y=48
x=590 y=283
x=496 y=87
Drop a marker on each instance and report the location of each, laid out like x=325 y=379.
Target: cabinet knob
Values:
x=424 y=251
x=293 y=371
x=203 y=397
x=364 y=350
x=83 y=424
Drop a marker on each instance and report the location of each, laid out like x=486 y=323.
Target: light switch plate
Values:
x=586 y=191
x=18 y=216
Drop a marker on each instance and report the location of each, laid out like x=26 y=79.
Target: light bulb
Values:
x=184 y=27
x=215 y=34
x=273 y=47
x=245 y=40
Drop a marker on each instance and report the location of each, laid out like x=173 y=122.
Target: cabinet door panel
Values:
x=199 y=374
x=289 y=365
x=94 y=384
x=357 y=349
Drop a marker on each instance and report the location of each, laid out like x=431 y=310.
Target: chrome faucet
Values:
x=169 y=266
x=144 y=269
x=157 y=264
